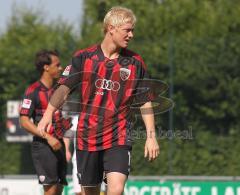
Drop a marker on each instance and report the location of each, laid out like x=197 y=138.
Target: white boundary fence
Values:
x=136 y=185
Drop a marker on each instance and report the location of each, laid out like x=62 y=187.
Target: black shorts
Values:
x=51 y=166
x=92 y=165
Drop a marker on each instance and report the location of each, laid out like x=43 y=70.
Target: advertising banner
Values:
x=182 y=188
x=14 y=131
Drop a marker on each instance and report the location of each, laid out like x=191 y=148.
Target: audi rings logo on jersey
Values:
x=107 y=84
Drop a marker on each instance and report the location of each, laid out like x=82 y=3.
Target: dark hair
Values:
x=43 y=57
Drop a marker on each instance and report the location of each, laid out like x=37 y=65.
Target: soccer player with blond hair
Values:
x=107 y=77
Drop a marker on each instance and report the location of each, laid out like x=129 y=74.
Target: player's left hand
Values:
x=152 y=149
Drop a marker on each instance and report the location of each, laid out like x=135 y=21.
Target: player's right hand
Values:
x=53 y=142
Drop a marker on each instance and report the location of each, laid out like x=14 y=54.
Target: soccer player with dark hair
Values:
x=48 y=150
x=109 y=79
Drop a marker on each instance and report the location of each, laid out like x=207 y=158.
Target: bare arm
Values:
x=151 y=146
x=56 y=101
x=67 y=145
x=29 y=126
x=59 y=97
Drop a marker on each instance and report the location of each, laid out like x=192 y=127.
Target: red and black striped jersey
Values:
x=35 y=103
x=106 y=88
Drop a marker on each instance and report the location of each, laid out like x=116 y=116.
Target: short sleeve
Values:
x=28 y=105
x=144 y=91
x=72 y=74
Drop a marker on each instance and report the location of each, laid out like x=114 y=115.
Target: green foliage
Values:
x=199 y=38
x=10 y=158
x=26 y=34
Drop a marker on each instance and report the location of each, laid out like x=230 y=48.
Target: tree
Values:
x=27 y=33
x=201 y=39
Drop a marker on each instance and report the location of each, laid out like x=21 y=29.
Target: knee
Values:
x=115 y=190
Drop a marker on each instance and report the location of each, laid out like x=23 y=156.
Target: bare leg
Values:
x=59 y=189
x=116 y=182
x=91 y=190
x=53 y=189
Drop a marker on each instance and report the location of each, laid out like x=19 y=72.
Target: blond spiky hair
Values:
x=118 y=16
